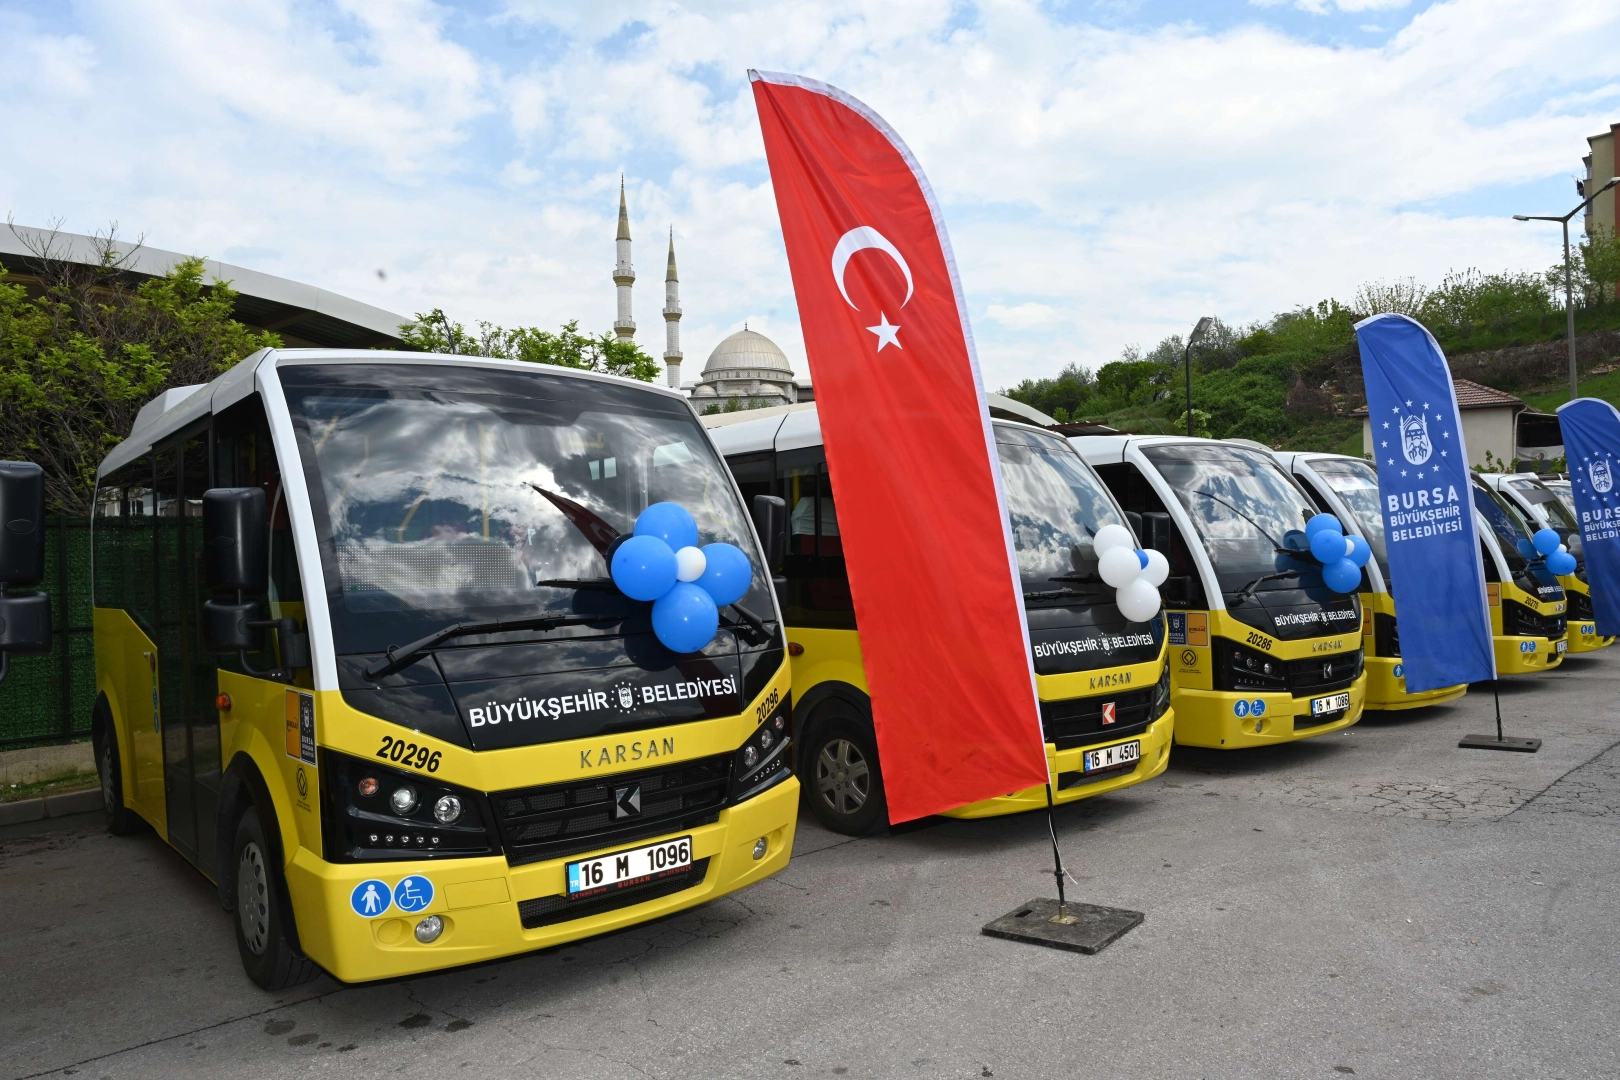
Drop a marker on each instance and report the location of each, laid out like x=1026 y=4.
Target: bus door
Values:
x=186 y=675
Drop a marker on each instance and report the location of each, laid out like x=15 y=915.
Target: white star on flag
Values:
x=887 y=334
x=1403 y=472
x=1386 y=425
x=1408 y=404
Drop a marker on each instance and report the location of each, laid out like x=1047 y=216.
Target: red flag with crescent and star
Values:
x=909 y=446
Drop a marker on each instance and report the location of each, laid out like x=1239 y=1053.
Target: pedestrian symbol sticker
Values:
x=413 y=894
x=1400 y=671
x=370 y=898
x=1240 y=707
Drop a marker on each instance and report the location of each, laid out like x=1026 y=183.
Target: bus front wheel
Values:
x=267 y=952
x=841 y=774
x=121 y=820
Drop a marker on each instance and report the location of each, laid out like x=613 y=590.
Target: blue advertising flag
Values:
x=1592 y=448
x=1434 y=557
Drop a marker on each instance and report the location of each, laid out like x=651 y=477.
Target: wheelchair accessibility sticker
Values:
x=1527 y=646
x=370 y=898
x=413 y=894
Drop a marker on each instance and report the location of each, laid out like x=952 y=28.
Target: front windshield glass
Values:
x=454 y=493
x=1055 y=506
x=1246 y=511
x=1506 y=522
x=1356 y=485
x=1551 y=507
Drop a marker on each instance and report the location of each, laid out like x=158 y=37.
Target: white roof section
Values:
x=162 y=404
x=1017 y=410
x=264 y=300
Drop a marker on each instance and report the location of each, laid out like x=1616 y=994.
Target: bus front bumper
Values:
x=478 y=899
x=1228 y=719
x=1068 y=767
x=1583 y=637
x=1526 y=655
x=1386 y=688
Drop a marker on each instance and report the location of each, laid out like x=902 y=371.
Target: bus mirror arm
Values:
x=771 y=522
x=294 y=648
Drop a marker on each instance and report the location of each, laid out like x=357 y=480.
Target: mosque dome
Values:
x=749 y=367
x=748 y=349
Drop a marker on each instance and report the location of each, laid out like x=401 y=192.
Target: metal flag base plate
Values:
x=1084 y=928
x=1492 y=742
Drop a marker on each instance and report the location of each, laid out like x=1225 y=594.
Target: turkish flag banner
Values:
x=907 y=433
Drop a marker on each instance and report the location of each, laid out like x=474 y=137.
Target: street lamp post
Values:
x=1569 y=281
x=1186 y=359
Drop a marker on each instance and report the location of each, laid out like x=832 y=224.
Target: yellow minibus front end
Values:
x=1261 y=651
x=1542 y=507
x=361 y=660
x=1347 y=487
x=1102 y=680
x=1527 y=603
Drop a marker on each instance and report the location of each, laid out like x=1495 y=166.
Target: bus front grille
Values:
x=1580 y=605
x=554 y=820
x=1079 y=721
x=1323 y=674
x=548 y=910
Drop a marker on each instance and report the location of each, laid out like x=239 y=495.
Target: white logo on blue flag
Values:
x=1415 y=438
x=1602 y=478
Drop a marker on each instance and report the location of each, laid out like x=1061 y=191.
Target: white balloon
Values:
x=1138 y=601
x=1561 y=547
x=1119 y=566
x=690 y=562
x=1349 y=547
x=1158 y=568
x=1113 y=536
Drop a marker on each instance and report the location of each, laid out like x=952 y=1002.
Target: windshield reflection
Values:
x=1245 y=509
x=454 y=497
x=1055 y=506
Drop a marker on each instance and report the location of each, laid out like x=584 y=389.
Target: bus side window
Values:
x=754 y=474
x=1185 y=586
x=818 y=581
x=1491 y=573
x=122 y=547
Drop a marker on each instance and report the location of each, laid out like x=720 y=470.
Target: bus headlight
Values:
x=373 y=813
x=1239 y=667
x=1161 y=694
x=763 y=760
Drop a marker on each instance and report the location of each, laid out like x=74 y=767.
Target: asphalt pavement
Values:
x=1376 y=903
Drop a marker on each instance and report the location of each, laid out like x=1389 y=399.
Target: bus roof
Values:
x=180 y=406
x=786 y=427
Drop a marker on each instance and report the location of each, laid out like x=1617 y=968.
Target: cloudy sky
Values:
x=1109 y=170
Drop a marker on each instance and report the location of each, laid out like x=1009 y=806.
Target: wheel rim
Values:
x=253 y=898
x=843 y=777
x=107 y=800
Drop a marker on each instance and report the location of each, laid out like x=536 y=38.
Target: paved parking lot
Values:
x=1375 y=903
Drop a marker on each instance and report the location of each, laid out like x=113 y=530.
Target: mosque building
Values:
x=747 y=370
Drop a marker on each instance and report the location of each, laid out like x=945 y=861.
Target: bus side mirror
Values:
x=771 y=522
x=1157 y=535
x=236 y=555
x=25 y=621
x=1135 y=521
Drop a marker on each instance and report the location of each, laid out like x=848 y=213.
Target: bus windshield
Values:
x=1558 y=516
x=1356 y=485
x=456 y=493
x=1054 y=504
x=1246 y=510
x=1512 y=531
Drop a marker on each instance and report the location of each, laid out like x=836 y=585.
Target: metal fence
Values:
x=48 y=698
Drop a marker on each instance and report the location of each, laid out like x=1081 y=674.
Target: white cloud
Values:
x=1102 y=186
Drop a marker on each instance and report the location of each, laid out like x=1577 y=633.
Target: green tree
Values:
x=434 y=332
x=78 y=360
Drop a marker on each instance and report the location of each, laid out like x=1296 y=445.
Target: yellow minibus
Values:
x=1261 y=650
x=1527 y=603
x=1347 y=487
x=360 y=660
x=1101 y=679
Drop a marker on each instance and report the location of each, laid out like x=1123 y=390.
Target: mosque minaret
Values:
x=672 y=318
x=624 y=275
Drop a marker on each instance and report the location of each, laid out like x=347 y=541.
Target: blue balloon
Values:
x=670 y=522
x=727 y=574
x=1342 y=576
x=1561 y=563
x=1296 y=540
x=1141 y=557
x=685 y=618
x=1525 y=549
x=643 y=568
x=1545 y=541
x=1327 y=545
x=1320 y=522
x=1360 y=553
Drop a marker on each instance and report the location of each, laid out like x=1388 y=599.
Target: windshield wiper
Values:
x=1056 y=594
x=397 y=656
x=577 y=583
x=1247 y=592
x=757 y=633
x=1239 y=513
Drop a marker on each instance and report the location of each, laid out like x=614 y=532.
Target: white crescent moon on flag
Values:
x=859 y=239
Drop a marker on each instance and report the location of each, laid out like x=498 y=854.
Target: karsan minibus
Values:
x=360 y=660
x=1102 y=680
x=1347 y=487
x=1527 y=603
x=1261 y=650
x=1543 y=508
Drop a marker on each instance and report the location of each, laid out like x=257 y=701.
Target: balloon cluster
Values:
x=1341 y=556
x=1560 y=563
x=1135 y=574
x=687 y=585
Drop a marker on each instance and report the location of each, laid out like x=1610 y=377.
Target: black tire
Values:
x=121 y=820
x=840 y=773
x=262 y=916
